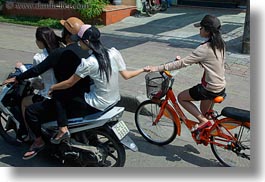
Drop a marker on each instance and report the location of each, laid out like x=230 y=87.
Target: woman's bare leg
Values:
x=185 y=99
x=205 y=106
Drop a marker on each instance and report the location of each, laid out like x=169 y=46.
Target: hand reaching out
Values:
x=177 y=58
x=146 y=69
x=149 y=68
x=19 y=64
x=155 y=68
x=10 y=80
x=50 y=91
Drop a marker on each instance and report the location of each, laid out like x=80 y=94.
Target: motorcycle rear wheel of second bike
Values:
x=150 y=8
x=8 y=130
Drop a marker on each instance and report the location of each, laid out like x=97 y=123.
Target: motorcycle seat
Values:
x=100 y=113
x=98 y=117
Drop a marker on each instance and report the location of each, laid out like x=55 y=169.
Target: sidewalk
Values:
x=152 y=41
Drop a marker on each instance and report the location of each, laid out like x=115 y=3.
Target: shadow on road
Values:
x=187 y=153
x=178 y=19
x=11 y=155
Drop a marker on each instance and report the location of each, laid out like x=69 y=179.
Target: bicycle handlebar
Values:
x=168 y=74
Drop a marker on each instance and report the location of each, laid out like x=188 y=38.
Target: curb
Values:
x=131 y=103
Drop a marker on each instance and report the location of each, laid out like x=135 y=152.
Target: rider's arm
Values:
x=84 y=69
x=198 y=55
x=66 y=84
x=127 y=74
x=46 y=64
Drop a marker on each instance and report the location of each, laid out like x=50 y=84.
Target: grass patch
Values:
x=35 y=21
x=32 y=21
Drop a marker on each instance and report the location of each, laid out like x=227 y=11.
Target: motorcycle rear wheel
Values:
x=113 y=151
x=8 y=130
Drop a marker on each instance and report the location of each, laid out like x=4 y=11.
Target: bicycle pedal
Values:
x=196 y=137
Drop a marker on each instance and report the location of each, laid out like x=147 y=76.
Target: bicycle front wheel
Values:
x=235 y=152
x=162 y=133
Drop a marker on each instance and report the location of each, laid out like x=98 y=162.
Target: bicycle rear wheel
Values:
x=164 y=132
x=233 y=153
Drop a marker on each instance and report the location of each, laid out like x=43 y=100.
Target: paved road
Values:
x=182 y=152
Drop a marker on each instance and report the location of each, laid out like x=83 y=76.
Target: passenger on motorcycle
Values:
x=103 y=67
x=64 y=62
x=48 y=41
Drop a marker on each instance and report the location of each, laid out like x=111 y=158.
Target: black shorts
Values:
x=198 y=92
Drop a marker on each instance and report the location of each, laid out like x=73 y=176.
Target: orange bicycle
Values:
x=159 y=121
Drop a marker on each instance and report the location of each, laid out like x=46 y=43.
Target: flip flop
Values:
x=35 y=151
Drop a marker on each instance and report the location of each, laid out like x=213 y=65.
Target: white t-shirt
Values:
x=102 y=93
x=47 y=78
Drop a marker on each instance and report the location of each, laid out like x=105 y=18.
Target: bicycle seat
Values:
x=235 y=113
x=219 y=98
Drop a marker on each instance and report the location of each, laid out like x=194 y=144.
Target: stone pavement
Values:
x=152 y=41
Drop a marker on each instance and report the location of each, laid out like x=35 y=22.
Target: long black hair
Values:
x=216 y=41
x=92 y=34
x=48 y=37
x=102 y=55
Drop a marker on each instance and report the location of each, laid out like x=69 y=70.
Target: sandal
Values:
x=65 y=136
x=33 y=152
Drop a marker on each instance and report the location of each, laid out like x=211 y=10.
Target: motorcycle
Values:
x=153 y=6
x=96 y=140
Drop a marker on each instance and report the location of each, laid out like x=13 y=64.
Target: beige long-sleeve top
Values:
x=214 y=71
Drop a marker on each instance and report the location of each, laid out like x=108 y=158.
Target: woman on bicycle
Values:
x=210 y=55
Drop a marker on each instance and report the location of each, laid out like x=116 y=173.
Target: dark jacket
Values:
x=64 y=62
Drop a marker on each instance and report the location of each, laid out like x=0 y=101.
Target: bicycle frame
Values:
x=173 y=109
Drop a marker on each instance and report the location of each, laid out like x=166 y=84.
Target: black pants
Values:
x=70 y=103
x=62 y=106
